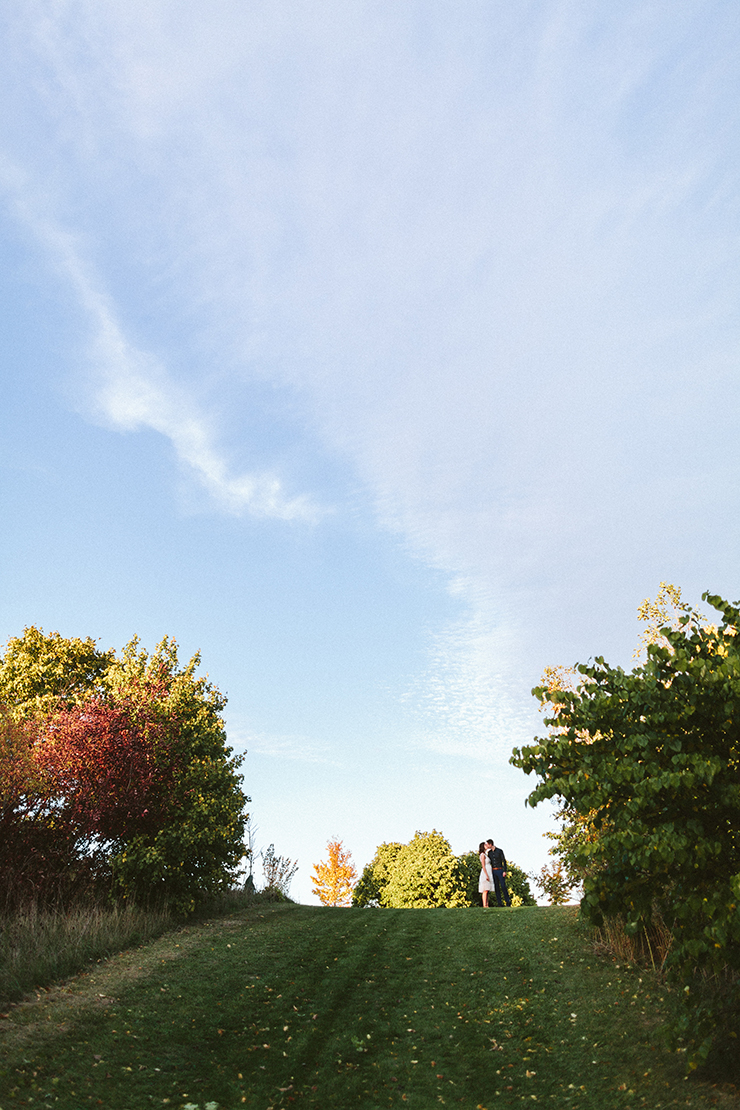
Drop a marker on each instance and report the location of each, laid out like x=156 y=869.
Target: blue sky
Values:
x=384 y=354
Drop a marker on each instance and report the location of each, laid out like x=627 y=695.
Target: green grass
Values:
x=280 y=1006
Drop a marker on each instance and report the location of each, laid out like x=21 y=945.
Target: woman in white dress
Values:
x=485 y=882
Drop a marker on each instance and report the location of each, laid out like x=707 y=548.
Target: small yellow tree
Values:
x=334 y=879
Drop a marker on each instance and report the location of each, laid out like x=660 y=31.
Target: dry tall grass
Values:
x=38 y=947
x=650 y=946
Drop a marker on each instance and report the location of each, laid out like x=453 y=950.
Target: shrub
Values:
x=425 y=874
x=648 y=760
x=375 y=877
x=115 y=775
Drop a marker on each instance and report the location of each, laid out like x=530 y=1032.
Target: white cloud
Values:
x=469 y=700
x=293 y=747
x=132 y=390
x=490 y=250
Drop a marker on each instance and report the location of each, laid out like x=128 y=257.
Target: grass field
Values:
x=280 y=1006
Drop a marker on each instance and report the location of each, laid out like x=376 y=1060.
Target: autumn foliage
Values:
x=128 y=789
x=112 y=766
x=334 y=879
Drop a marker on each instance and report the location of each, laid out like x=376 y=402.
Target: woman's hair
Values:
x=481 y=847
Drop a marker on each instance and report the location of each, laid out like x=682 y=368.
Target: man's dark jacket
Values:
x=497 y=858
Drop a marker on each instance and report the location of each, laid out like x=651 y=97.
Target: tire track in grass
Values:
x=272 y=1011
x=337 y=1037
x=353 y=1018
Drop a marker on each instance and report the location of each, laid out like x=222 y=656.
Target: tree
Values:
x=333 y=881
x=278 y=871
x=38 y=861
x=651 y=759
x=41 y=672
x=517 y=882
x=575 y=842
x=125 y=775
x=554 y=882
x=376 y=875
x=196 y=849
x=667 y=611
x=424 y=874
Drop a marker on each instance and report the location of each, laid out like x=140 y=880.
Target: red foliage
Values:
x=75 y=784
x=111 y=767
x=37 y=849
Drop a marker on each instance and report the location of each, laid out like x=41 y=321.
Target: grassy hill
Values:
x=280 y=1006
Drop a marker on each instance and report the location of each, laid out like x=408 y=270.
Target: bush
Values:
x=114 y=776
x=375 y=877
x=648 y=761
x=426 y=874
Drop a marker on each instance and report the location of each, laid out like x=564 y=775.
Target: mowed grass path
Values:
x=299 y=1006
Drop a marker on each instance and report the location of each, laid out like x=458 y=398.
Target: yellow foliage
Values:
x=559 y=678
x=333 y=880
x=667 y=611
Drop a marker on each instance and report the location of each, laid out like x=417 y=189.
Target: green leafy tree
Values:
x=376 y=875
x=425 y=874
x=470 y=872
x=554 y=883
x=40 y=672
x=197 y=849
x=651 y=759
x=517 y=882
x=667 y=611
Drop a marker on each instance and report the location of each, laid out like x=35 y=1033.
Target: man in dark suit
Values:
x=498 y=868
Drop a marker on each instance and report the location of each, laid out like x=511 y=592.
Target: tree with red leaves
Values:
x=112 y=767
x=37 y=855
x=130 y=788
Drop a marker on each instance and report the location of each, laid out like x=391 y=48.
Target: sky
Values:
x=382 y=353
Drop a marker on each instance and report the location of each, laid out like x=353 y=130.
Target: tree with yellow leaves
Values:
x=333 y=880
x=667 y=611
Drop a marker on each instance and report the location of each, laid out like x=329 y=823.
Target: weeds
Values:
x=38 y=947
x=650 y=947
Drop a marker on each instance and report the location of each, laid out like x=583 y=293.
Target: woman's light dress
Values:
x=485 y=882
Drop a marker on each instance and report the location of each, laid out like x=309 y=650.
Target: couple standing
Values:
x=493 y=873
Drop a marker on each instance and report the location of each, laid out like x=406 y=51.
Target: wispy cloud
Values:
x=467 y=701
x=493 y=257
x=132 y=390
x=296 y=748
